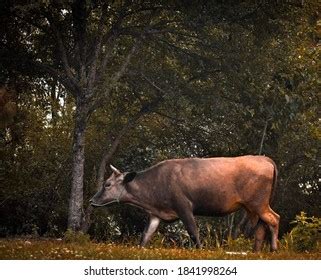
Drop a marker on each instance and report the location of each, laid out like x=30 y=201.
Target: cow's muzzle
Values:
x=94 y=204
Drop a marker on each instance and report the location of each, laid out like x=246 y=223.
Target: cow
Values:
x=181 y=188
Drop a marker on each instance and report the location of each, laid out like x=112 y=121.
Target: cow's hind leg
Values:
x=190 y=224
x=149 y=230
x=272 y=220
x=259 y=229
x=259 y=235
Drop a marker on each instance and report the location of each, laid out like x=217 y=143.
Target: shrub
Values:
x=306 y=234
x=239 y=244
x=77 y=237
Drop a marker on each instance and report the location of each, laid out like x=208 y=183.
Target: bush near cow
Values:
x=305 y=236
x=76 y=237
x=238 y=244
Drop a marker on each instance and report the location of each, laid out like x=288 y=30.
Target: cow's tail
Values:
x=274 y=182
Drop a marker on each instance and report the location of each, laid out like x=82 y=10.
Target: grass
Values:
x=53 y=249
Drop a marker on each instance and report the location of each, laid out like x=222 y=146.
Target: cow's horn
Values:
x=114 y=169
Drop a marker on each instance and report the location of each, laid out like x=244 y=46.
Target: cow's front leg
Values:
x=151 y=227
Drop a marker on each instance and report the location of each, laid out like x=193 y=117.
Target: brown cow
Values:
x=182 y=188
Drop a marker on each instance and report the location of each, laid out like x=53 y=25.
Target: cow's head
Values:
x=113 y=189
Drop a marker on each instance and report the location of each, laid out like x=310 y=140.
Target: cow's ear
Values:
x=129 y=177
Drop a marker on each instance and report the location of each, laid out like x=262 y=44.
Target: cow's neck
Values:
x=136 y=195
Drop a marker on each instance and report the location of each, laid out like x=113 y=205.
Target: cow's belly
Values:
x=164 y=214
x=211 y=201
x=216 y=210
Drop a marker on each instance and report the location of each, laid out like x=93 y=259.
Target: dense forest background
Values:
x=89 y=83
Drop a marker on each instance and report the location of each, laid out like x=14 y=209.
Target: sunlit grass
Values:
x=58 y=249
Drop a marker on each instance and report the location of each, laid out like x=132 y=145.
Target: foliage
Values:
x=239 y=244
x=8 y=108
x=76 y=237
x=306 y=235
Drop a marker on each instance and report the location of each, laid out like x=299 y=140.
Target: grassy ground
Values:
x=58 y=249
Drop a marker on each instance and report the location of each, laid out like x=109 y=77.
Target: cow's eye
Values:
x=107 y=185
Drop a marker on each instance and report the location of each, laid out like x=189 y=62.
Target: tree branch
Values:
x=155 y=86
x=109 y=38
x=263 y=136
x=189 y=53
x=124 y=66
x=174 y=119
x=55 y=73
x=116 y=77
x=80 y=14
x=63 y=52
x=97 y=47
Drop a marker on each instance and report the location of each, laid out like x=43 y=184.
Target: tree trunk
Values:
x=108 y=154
x=76 y=196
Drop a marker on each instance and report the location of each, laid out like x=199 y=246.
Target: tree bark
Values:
x=76 y=197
